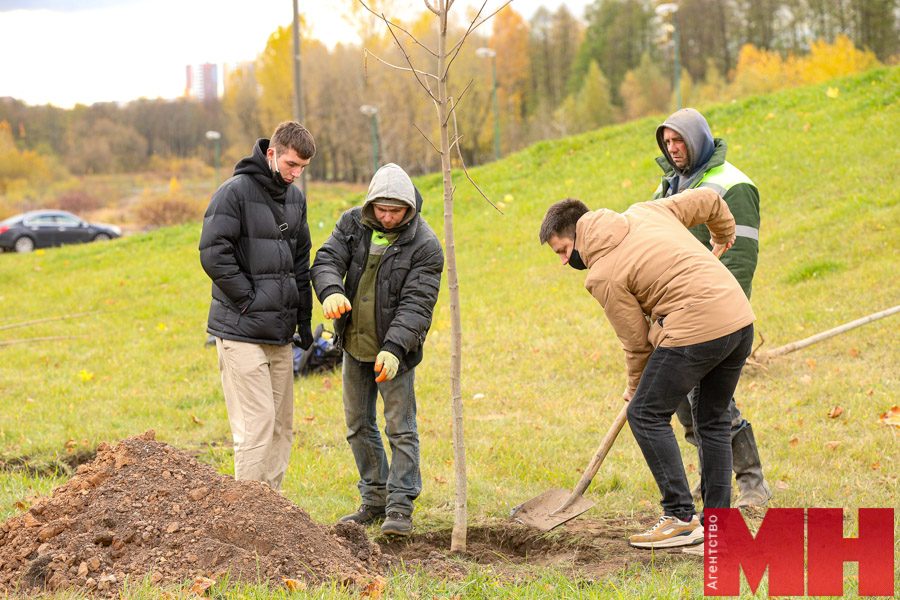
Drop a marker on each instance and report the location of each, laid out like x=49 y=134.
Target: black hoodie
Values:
x=255 y=248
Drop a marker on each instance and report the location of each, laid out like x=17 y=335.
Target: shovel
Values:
x=555 y=507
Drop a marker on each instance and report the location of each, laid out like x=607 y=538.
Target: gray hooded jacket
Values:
x=694 y=129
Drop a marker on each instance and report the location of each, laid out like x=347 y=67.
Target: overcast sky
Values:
x=65 y=52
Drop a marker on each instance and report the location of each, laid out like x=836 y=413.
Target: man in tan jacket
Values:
x=683 y=321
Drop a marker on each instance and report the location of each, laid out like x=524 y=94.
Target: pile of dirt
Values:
x=143 y=508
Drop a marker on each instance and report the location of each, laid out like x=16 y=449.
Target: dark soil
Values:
x=145 y=509
x=585 y=549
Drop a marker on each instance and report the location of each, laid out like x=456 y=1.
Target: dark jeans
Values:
x=393 y=485
x=714 y=368
x=687 y=420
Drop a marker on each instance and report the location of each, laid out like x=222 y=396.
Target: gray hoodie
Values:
x=392 y=186
x=698 y=138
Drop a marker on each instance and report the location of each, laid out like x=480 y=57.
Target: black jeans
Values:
x=713 y=367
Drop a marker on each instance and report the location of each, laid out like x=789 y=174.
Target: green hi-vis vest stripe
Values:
x=723 y=178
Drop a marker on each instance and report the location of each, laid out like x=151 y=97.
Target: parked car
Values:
x=44 y=228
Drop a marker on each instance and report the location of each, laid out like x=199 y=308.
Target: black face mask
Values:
x=575 y=261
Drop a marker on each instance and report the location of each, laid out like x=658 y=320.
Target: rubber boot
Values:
x=752 y=488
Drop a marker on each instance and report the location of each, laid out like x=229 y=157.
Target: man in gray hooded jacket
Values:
x=378 y=275
x=692 y=158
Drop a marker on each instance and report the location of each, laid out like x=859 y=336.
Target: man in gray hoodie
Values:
x=692 y=158
x=378 y=275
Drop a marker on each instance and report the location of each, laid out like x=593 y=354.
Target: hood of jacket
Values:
x=391 y=185
x=694 y=129
x=598 y=233
x=257 y=166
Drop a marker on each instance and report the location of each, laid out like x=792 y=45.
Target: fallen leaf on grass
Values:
x=891 y=417
x=806 y=380
x=196 y=420
x=875 y=466
x=793 y=441
x=21 y=505
x=807 y=127
x=85 y=375
x=375 y=588
x=293 y=585
x=781 y=485
x=832 y=445
x=854 y=352
x=835 y=412
x=832 y=92
x=440 y=480
x=811 y=363
x=201 y=585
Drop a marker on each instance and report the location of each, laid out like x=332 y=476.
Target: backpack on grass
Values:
x=322 y=356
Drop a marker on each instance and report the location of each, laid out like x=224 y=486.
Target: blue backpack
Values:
x=322 y=356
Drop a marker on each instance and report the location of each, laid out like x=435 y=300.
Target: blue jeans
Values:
x=714 y=368
x=396 y=485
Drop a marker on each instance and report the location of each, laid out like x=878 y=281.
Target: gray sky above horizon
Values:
x=65 y=52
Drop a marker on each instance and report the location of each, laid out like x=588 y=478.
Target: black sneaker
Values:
x=365 y=515
x=397 y=524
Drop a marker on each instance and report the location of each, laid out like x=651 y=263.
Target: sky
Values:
x=64 y=52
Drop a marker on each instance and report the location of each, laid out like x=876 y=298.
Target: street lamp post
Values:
x=663 y=10
x=216 y=138
x=492 y=54
x=372 y=112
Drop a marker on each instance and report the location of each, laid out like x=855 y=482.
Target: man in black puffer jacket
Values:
x=379 y=274
x=255 y=247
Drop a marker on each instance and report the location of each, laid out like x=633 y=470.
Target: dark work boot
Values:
x=752 y=487
x=397 y=523
x=365 y=515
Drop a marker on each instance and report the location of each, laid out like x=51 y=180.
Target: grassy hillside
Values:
x=542 y=369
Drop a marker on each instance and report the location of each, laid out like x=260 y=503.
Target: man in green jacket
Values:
x=692 y=158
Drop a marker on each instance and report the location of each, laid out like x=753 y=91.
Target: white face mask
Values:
x=276 y=174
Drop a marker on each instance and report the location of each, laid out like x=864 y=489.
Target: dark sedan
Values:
x=45 y=228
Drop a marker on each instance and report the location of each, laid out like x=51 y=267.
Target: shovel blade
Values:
x=542 y=512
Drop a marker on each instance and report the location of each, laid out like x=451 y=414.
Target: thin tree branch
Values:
x=54 y=338
x=455 y=141
x=463 y=162
x=423 y=46
x=427 y=140
x=788 y=348
x=409 y=60
x=399 y=68
x=47 y=319
x=431 y=8
x=453 y=110
x=472 y=27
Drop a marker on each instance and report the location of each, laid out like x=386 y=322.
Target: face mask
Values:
x=575 y=261
x=276 y=174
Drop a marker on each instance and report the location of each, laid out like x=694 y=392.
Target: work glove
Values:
x=386 y=364
x=336 y=305
x=303 y=339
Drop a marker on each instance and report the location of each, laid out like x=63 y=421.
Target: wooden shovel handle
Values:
x=598 y=458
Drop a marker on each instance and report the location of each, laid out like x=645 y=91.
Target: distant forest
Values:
x=556 y=74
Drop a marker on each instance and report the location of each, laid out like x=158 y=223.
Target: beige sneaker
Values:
x=669 y=532
x=696 y=550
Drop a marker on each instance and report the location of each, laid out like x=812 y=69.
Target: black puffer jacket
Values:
x=260 y=274
x=408 y=281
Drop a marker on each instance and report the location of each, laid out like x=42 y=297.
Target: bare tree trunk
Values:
x=458 y=537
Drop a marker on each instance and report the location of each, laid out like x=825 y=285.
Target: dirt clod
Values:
x=142 y=508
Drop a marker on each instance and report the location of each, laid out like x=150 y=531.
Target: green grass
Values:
x=542 y=369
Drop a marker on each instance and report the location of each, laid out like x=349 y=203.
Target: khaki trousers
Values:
x=258 y=382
